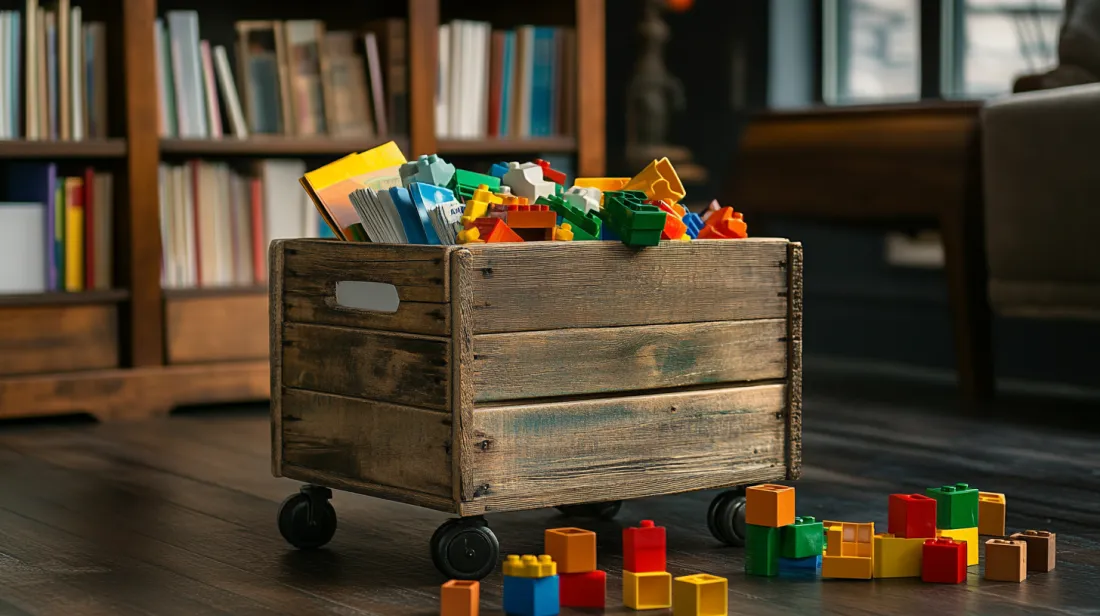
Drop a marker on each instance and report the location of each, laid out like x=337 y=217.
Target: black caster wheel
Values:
x=603 y=511
x=307 y=519
x=465 y=549
x=726 y=517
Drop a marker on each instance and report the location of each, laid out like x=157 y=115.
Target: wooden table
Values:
x=177 y=516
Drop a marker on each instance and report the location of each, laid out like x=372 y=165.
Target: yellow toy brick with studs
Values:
x=530 y=566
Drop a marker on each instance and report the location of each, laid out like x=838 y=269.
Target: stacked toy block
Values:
x=459 y=598
x=768 y=508
x=849 y=550
x=801 y=546
x=957 y=516
x=911 y=521
x=574 y=551
x=646 y=583
x=943 y=561
x=530 y=586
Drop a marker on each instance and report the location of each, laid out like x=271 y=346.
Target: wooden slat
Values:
x=277 y=265
x=368 y=441
x=589 y=361
x=419 y=273
x=547 y=285
x=544 y=455
x=396 y=368
x=462 y=366
x=794 y=363
x=207 y=329
x=44 y=339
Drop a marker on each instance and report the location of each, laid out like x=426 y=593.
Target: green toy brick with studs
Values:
x=956 y=506
x=804 y=538
x=762 y=550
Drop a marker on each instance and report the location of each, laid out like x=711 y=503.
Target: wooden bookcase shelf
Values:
x=142 y=350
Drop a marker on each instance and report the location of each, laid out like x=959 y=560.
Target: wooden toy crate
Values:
x=528 y=375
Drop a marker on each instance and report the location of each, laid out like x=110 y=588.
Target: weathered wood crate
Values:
x=517 y=376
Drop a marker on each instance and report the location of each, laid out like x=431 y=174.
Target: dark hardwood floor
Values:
x=177 y=516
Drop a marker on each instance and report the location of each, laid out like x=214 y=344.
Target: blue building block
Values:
x=498 y=170
x=800 y=567
x=531 y=596
x=694 y=224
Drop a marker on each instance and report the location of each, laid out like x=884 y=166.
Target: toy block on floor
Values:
x=644 y=547
x=804 y=538
x=459 y=598
x=700 y=594
x=965 y=535
x=587 y=589
x=943 y=561
x=1040 y=549
x=849 y=550
x=648 y=590
x=956 y=506
x=800 y=567
x=896 y=557
x=573 y=549
x=1005 y=560
x=529 y=596
x=762 y=550
x=991 y=514
x=769 y=505
x=912 y=516
x=846 y=567
x=530 y=566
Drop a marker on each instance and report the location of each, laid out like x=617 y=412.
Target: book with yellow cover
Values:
x=330 y=186
x=74 y=234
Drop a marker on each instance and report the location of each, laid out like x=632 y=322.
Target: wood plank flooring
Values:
x=177 y=516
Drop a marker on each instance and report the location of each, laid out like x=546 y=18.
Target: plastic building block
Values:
x=556 y=177
x=530 y=566
x=644 y=547
x=943 y=561
x=847 y=567
x=464 y=183
x=963 y=535
x=769 y=505
x=584 y=198
x=573 y=549
x=694 y=224
x=1005 y=560
x=470 y=236
x=532 y=222
x=647 y=590
x=586 y=224
x=459 y=598
x=636 y=223
x=563 y=232
x=712 y=208
x=526 y=180
x=896 y=557
x=849 y=539
x=912 y=516
x=428 y=169
x=726 y=224
x=527 y=596
x=477 y=206
x=588 y=589
x=701 y=594
x=674 y=226
x=1040 y=549
x=991 y=514
x=762 y=550
x=498 y=170
x=658 y=181
x=601 y=184
x=495 y=230
x=804 y=538
x=800 y=567
x=956 y=506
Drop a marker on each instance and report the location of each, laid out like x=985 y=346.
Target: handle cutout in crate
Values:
x=368 y=296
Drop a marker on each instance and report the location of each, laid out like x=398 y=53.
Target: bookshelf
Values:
x=139 y=349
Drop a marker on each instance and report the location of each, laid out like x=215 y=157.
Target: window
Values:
x=871 y=50
x=988 y=43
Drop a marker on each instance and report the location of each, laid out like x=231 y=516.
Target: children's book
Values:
x=330 y=187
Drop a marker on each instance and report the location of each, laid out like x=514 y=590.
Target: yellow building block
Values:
x=563 y=232
x=650 y=590
x=849 y=538
x=969 y=535
x=529 y=566
x=573 y=549
x=991 y=514
x=658 y=181
x=602 y=184
x=896 y=557
x=847 y=567
x=701 y=594
x=470 y=236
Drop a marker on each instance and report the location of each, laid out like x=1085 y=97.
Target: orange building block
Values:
x=573 y=549
x=769 y=505
x=459 y=598
x=495 y=230
x=532 y=222
x=726 y=224
x=674 y=225
x=991 y=514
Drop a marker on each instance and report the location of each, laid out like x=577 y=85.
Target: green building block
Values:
x=762 y=550
x=636 y=223
x=956 y=506
x=464 y=183
x=804 y=538
x=586 y=225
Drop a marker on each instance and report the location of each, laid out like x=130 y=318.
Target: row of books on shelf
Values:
x=53 y=74
x=56 y=232
x=217 y=220
x=505 y=83
x=293 y=77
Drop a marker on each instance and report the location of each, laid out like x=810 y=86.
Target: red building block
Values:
x=912 y=516
x=674 y=225
x=588 y=589
x=943 y=561
x=495 y=230
x=644 y=548
x=550 y=174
